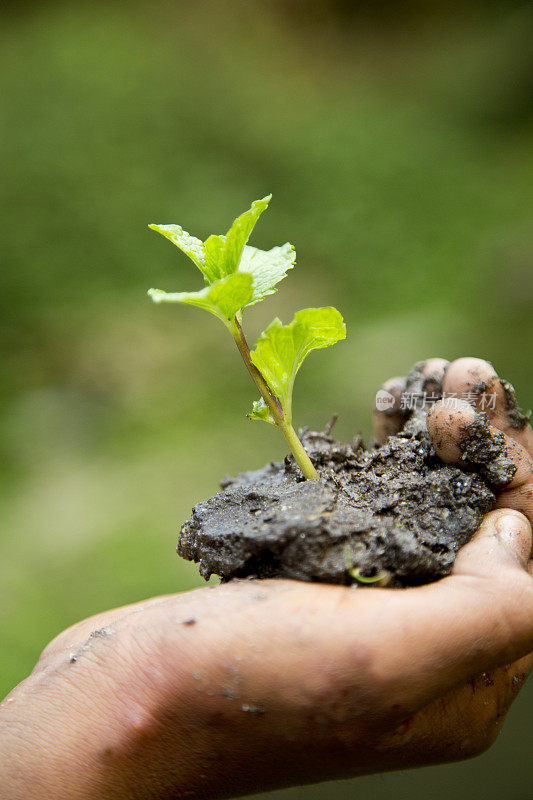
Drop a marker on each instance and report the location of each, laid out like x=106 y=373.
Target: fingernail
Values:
x=514 y=532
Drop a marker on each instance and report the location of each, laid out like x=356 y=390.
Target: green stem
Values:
x=298 y=451
x=274 y=406
x=268 y=396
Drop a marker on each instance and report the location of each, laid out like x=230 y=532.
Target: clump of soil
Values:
x=395 y=513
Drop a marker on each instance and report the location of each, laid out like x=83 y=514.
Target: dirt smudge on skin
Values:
x=253 y=710
x=487 y=451
x=230 y=692
x=98 y=633
x=515 y=415
x=484 y=680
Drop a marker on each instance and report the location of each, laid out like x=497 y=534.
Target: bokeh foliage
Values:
x=398 y=148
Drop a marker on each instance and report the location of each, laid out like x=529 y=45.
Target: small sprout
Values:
x=260 y=411
x=236 y=276
x=381 y=579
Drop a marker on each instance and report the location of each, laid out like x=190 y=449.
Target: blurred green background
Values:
x=397 y=142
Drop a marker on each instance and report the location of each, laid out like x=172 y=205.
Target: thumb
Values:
x=500 y=547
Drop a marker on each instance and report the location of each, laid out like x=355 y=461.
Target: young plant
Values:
x=236 y=276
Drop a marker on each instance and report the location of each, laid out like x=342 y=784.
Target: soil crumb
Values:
x=395 y=513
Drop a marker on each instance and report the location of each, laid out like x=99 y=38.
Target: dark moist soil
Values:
x=395 y=514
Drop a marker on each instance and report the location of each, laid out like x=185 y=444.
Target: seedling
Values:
x=236 y=276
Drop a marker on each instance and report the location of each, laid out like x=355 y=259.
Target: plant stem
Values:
x=270 y=399
x=298 y=451
x=274 y=406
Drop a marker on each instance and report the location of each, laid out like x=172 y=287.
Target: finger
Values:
x=503 y=541
x=427 y=376
x=388 y=415
x=462 y=437
x=476 y=381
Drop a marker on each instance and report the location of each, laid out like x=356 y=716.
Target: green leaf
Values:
x=221 y=256
x=268 y=267
x=223 y=253
x=260 y=411
x=281 y=349
x=190 y=245
x=222 y=298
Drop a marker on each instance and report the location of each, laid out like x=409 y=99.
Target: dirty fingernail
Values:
x=514 y=531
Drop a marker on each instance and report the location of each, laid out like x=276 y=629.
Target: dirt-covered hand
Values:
x=469 y=386
x=255 y=685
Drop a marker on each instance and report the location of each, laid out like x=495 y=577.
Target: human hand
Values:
x=255 y=685
x=448 y=420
